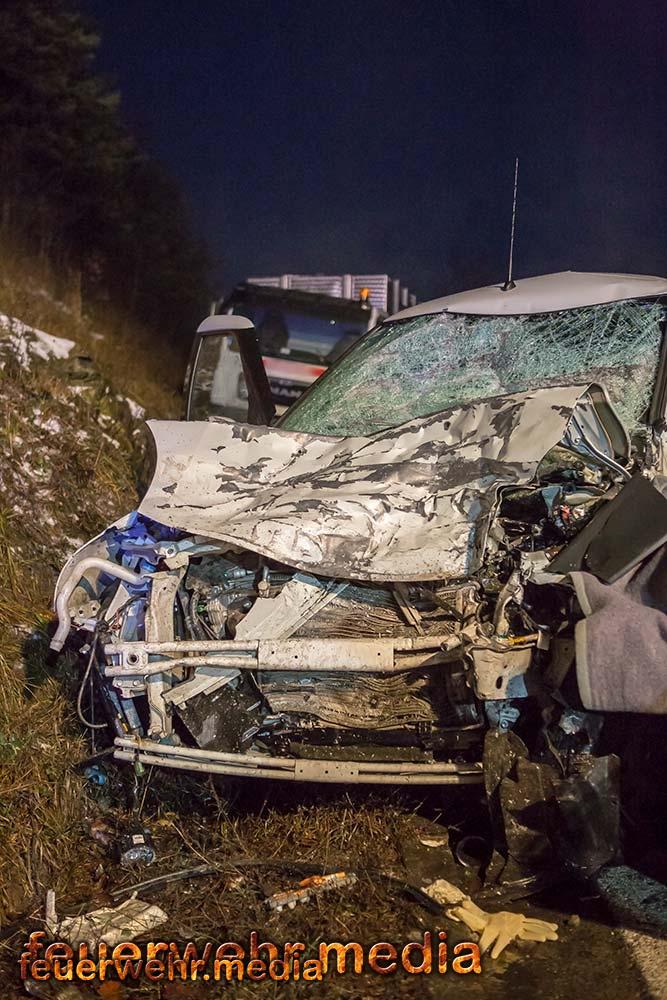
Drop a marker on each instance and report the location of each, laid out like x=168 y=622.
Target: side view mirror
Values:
x=225 y=375
x=224 y=323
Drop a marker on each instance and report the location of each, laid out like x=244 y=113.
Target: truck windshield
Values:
x=416 y=367
x=302 y=336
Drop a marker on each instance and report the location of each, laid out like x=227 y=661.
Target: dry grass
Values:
x=69 y=447
x=40 y=798
x=233 y=824
x=137 y=361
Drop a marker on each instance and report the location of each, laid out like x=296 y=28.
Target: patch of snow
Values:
x=30 y=471
x=50 y=346
x=19 y=345
x=51 y=426
x=111 y=440
x=137 y=411
x=27 y=341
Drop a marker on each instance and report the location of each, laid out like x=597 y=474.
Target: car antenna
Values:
x=509 y=284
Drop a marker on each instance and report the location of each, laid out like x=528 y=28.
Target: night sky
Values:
x=381 y=136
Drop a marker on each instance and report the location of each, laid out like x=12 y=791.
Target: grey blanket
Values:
x=621 y=643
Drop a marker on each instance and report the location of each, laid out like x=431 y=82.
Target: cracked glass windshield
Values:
x=420 y=366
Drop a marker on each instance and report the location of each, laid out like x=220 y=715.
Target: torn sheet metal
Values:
x=411 y=503
x=278 y=617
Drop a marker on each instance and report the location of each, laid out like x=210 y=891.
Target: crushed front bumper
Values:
x=294 y=769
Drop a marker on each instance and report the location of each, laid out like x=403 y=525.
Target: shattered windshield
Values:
x=408 y=369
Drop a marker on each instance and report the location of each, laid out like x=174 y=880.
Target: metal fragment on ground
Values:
x=314 y=885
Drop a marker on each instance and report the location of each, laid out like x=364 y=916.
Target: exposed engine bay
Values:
x=213 y=657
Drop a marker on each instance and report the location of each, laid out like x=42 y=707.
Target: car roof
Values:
x=543 y=294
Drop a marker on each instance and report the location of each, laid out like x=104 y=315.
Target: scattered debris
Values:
x=309 y=887
x=473 y=852
x=426 y=852
x=103 y=833
x=96 y=774
x=109 y=925
x=438 y=841
x=135 y=844
x=444 y=892
x=161 y=881
x=500 y=634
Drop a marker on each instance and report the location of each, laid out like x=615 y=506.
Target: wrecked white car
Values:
x=400 y=566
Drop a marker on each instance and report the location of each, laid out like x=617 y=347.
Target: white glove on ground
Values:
x=499 y=929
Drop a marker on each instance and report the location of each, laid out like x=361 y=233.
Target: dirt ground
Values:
x=604 y=951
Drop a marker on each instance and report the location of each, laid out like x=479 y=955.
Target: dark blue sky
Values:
x=380 y=136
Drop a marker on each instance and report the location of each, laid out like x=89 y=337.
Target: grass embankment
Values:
x=69 y=443
x=136 y=361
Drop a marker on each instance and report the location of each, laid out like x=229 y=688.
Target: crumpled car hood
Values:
x=411 y=503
